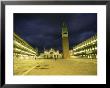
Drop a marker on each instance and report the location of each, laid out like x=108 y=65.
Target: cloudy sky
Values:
x=44 y=30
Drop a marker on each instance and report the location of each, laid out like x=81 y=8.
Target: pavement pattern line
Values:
x=29 y=70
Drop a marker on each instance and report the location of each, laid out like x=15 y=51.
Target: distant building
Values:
x=87 y=48
x=22 y=48
x=71 y=52
x=52 y=54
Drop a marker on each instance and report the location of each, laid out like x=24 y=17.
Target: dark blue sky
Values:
x=44 y=30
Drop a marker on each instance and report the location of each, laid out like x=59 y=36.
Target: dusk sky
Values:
x=44 y=30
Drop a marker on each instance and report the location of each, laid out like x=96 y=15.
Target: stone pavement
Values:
x=76 y=66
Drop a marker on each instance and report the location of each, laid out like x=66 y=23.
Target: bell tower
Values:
x=65 y=42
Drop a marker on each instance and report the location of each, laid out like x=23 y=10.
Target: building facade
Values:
x=52 y=54
x=22 y=48
x=87 y=48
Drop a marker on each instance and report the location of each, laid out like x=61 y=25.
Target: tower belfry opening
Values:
x=65 y=41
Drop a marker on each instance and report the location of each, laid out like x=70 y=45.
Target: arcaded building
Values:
x=87 y=48
x=23 y=49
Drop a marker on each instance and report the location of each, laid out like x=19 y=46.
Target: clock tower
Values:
x=65 y=42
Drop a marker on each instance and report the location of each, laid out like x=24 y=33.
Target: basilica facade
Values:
x=52 y=54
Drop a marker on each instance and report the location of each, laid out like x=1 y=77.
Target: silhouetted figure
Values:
x=55 y=57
